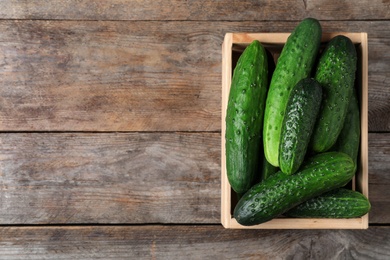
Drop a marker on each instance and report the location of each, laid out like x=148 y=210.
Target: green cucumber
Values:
x=295 y=63
x=301 y=113
x=281 y=192
x=338 y=203
x=348 y=140
x=244 y=117
x=336 y=73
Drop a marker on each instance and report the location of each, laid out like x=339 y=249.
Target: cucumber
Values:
x=295 y=63
x=348 y=140
x=338 y=203
x=336 y=73
x=244 y=117
x=281 y=192
x=301 y=113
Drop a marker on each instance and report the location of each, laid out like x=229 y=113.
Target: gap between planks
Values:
x=81 y=225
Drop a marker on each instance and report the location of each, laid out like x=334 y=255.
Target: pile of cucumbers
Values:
x=293 y=134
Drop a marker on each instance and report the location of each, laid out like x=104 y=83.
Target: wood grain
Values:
x=139 y=76
x=194 y=10
x=109 y=178
x=70 y=178
x=379 y=179
x=93 y=76
x=190 y=242
x=110 y=116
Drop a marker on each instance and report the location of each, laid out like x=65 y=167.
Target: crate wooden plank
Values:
x=139 y=76
x=194 y=10
x=190 y=242
x=65 y=178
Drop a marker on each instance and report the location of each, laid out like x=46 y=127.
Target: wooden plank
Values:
x=379 y=179
x=108 y=76
x=60 y=178
x=109 y=178
x=139 y=76
x=195 y=10
x=190 y=242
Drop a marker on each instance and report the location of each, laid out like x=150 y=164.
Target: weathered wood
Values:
x=139 y=76
x=194 y=10
x=190 y=242
x=154 y=66
x=60 y=178
x=379 y=174
x=108 y=76
x=109 y=178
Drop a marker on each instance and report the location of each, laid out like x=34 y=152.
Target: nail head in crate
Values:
x=233 y=45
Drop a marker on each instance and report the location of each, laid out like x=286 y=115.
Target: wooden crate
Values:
x=233 y=45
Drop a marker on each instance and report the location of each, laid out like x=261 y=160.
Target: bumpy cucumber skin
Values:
x=336 y=73
x=299 y=119
x=348 y=140
x=244 y=117
x=295 y=63
x=338 y=203
x=281 y=192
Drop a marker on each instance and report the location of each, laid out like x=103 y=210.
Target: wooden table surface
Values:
x=110 y=127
